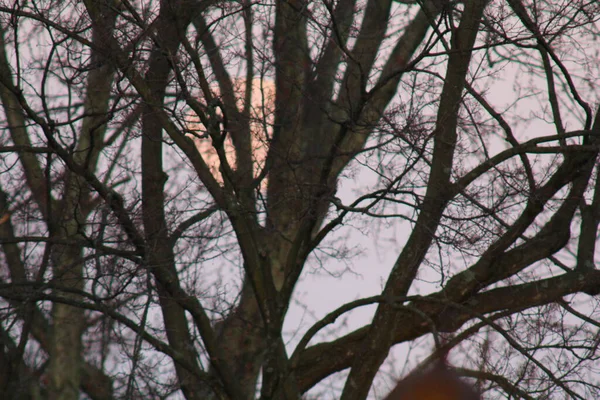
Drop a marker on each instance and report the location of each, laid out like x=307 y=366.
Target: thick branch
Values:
x=376 y=345
x=322 y=360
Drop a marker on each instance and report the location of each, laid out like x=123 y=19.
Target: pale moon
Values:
x=261 y=122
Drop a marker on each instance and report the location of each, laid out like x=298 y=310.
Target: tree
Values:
x=110 y=213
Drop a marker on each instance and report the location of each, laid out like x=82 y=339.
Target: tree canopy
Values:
x=171 y=171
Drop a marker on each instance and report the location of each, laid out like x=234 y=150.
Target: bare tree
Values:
x=154 y=150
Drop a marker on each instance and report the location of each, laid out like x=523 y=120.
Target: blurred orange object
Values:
x=437 y=383
x=4 y=218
